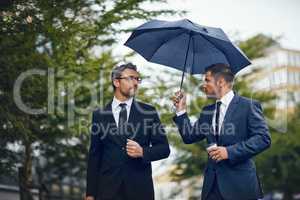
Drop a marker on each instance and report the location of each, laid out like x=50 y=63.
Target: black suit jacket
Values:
x=109 y=166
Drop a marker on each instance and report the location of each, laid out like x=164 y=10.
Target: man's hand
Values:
x=179 y=100
x=89 y=198
x=134 y=150
x=218 y=153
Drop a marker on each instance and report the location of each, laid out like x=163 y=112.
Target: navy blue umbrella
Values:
x=185 y=46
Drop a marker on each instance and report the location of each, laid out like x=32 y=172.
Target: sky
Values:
x=240 y=19
x=247 y=17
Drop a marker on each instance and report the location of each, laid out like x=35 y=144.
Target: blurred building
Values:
x=278 y=72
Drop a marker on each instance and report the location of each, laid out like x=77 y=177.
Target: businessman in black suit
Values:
x=126 y=136
x=236 y=126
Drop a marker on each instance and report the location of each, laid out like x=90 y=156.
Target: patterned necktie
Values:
x=218 y=105
x=122 y=119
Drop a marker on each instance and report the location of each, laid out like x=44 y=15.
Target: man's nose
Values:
x=135 y=82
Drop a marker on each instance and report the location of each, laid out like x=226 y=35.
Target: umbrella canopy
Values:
x=186 y=46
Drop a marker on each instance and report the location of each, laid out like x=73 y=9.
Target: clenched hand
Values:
x=218 y=153
x=134 y=150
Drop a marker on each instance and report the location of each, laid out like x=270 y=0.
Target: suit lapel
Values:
x=133 y=116
x=230 y=110
x=111 y=126
x=133 y=112
x=108 y=115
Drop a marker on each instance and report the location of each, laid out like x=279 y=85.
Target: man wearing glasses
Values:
x=126 y=136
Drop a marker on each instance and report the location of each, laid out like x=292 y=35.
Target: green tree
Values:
x=279 y=166
x=255 y=47
x=58 y=38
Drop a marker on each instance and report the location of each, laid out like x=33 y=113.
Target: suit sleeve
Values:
x=94 y=158
x=191 y=134
x=258 y=137
x=159 y=148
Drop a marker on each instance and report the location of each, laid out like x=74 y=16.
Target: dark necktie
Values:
x=122 y=119
x=218 y=105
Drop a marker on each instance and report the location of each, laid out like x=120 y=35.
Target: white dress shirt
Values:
x=225 y=100
x=116 y=108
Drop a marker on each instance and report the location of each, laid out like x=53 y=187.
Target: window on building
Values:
x=290 y=77
x=297 y=78
x=298 y=60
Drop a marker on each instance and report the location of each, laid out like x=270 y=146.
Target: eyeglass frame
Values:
x=131 y=78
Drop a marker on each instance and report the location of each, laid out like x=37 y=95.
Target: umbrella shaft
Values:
x=186 y=55
x=182 y=80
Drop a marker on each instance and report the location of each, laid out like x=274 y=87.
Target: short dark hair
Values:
x=221 y=70
x=117 y=71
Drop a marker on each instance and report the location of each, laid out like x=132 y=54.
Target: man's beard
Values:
x=130 y=93
x=208 y=96
x=212 y=95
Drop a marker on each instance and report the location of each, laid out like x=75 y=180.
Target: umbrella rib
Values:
x=239 y=51
x=207 y=39
x=230 y=43
x=165 y=43
x=192 y=71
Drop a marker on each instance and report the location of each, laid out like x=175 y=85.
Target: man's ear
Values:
x=221 y=81
x=116 y=83
x=218 y=81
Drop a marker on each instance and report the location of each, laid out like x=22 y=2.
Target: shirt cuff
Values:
x=180 y=112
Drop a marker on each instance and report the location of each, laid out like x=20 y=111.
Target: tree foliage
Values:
x=67 y=46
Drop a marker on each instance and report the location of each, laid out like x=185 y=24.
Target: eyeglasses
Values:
x=131 y=78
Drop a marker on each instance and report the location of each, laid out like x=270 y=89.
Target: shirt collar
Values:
x=116 y=102
x=226 y=99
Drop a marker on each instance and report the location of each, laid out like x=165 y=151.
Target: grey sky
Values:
x=248 y=17
x=244 y=18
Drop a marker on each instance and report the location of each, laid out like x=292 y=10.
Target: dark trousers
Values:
x=120 y=195
x=214 y=193
x=124 y=194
